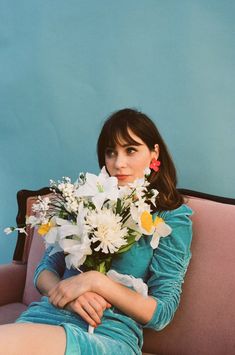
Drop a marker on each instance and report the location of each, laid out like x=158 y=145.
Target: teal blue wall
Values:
x=65 y=65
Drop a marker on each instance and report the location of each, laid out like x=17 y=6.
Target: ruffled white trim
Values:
x=130 y=281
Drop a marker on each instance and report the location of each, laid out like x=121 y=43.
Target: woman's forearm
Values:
x=128 y=301
x=46 y=280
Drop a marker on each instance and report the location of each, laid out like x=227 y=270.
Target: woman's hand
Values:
x=70 y=289
x=90 y=306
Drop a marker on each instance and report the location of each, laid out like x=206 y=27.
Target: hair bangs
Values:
x=120 y=135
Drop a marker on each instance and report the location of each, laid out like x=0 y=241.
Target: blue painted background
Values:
x=65 y=65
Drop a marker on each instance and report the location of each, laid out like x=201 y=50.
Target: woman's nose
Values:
x=120 y=161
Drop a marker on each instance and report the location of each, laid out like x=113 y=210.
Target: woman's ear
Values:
x=156 y=151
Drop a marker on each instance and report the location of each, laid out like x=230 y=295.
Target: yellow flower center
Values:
x=146 y=221
x=44 y=228
x=157 y=221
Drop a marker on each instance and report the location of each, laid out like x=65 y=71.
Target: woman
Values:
x=129 y=142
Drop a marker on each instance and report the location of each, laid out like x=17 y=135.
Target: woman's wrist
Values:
x=98 y=282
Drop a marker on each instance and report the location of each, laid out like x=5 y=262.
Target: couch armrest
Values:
x=12 y=281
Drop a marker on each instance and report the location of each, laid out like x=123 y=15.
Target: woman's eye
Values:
x=110 y=153
x=131 y=150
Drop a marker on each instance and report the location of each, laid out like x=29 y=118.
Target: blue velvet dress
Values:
x=163 y=270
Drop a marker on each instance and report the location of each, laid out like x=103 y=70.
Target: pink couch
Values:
x=204 y=323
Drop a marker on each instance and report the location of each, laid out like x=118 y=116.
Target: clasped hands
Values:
x=78 y=294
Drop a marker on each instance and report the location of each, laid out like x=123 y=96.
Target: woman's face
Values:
x=128 y=161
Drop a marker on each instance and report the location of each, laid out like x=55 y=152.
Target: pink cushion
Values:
x=36 y=251
x=205 y=320
x=10 y=312
x=12 y=279
x=33 y=251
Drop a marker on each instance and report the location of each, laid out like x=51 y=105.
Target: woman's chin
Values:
x=124 y=182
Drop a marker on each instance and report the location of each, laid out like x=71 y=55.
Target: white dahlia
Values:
x=106 y=228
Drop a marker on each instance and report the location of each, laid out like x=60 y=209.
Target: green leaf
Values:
x=130 y=241
x=125 y=248
x=102 y=267
x=118 y=206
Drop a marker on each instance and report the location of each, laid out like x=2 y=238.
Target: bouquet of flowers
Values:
x=94 y=219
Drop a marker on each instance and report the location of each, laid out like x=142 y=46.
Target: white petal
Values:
x=74 y=261
x=56 y=249
x=147 y=171
x=65 y=231
x=104 y=172
x=154 y=241
x=61 y=221
x=51 y=236
x=98 y=200
x=32 y=220
x=163 y=229
x=67 y=244
x=8 y=230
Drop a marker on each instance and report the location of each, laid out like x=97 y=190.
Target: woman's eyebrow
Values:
x=130 y=144
x=125 y=145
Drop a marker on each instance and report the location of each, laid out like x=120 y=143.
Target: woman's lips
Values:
x=122 y=177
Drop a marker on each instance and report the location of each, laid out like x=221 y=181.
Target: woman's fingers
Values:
x=93 y=310
x=69 y=289
x=90 y=306
x=77 y=308
x=63 y=293
x=102 y=301
x=55 y=297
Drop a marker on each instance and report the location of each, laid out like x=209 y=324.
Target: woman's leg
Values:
x=32 y=339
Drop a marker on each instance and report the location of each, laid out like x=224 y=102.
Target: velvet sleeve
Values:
x=169 y=265
x=54 y=263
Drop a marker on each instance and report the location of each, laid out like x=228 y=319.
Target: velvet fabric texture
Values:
x=163 y=269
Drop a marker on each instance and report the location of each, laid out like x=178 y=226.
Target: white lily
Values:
x=56 y=248
x=77 y=251
x=137 y=209
x=99 y=188
x=130 y=223
x=52 y=235
x=68 y=228
x=138 y=184
x=161 y=230
x=157 y=228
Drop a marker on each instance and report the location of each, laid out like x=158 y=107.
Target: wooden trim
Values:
x=226 y=200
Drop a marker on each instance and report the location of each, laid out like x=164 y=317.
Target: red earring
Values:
x=154 y=165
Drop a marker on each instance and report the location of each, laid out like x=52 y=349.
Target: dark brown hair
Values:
x=117 y=126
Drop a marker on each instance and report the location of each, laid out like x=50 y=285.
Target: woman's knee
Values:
x=33 y=339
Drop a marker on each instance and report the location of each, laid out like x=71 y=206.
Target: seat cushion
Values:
x=10 y=311
x=205 y=320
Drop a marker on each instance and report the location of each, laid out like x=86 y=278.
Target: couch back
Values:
x=205 y=320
